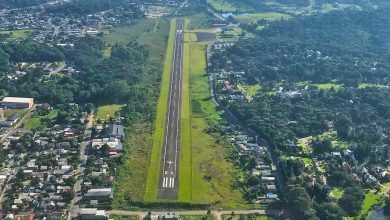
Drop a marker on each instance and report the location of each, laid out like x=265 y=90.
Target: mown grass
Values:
x=106 y=111
x=185 y=177
x=18 y=34
x=158 y=137
x=35 y=122
x=253 y=17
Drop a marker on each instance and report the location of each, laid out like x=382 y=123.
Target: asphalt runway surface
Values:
x=168 y=184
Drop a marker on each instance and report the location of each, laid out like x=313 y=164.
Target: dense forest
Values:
x=349 y=47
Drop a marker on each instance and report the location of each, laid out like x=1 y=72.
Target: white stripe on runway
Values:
x=173 y=182
x=170 y=182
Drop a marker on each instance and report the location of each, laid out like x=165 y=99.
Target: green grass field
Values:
x=324 y=86
x=371 y=199
x=222 y=5
x=185 y=177
x=106 y=111
x=158 y=138
x=35 y=122
x=212 y=175
x=253 y=17
x=18 y=34
x=250 y=90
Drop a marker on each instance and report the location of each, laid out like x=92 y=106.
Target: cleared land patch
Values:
x=106 y=111
x=253 y=17
x=16 y=34
x=205 y=36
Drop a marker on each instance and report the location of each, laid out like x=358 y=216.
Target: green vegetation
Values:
x=36 y=121
x=212 y=175
x=16 y=34
x=370 y=200
x=158 y=137
x=120 y=217
x=222 y=5
x=105 y=112
x=328 y=86
x=254 y=17
x=131 y=186
x=337 y=193
x=197 y=217
x=185 y=192
x=250 y=90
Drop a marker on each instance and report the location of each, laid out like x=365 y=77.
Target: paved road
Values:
x=10 y=131
x=217 y=214
x=74 y=207
x=169 y=172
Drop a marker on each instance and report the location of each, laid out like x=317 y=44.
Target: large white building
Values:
x=17 y=102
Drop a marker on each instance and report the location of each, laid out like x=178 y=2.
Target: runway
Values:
x=169 y=170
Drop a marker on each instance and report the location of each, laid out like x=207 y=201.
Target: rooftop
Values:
x=17 y=99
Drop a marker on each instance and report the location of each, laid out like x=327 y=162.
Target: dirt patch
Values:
x=204 y=36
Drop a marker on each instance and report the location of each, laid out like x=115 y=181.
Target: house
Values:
x=113 y=143
x=17 y=103
x=10 y=120
x=103 y=194
x=92 y=214
x=169 y=216
x=117 y=131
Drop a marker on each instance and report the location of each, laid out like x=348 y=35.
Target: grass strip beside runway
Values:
x=185 y=177
x=158 y=138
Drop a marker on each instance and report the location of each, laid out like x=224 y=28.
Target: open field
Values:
x=324 y=86
x=185 y=193
x=222 y=5
x=158 y=138
x=371 y=199
x=35 y=122
x=253 y=17
x=250 y=90
x=212 y=175
x=106 y=111
x=131 y=176
x=17 y=34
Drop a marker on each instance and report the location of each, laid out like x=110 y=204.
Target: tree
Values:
x=329 y=211
x=352 y=200
x=386 y=208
